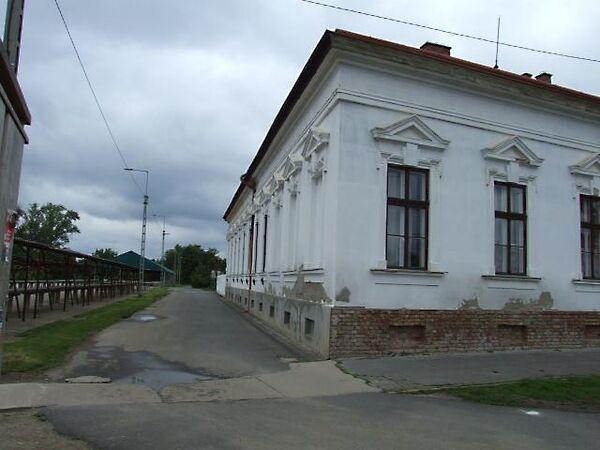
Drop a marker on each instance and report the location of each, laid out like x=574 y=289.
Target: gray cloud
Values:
x=190 y=88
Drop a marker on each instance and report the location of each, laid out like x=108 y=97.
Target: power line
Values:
x=453 y=33
x=89 y=82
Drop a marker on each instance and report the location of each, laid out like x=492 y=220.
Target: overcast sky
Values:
x=190 y=88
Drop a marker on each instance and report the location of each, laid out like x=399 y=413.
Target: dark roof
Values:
x=133 y=259
x=70 y=253
x=322 y=49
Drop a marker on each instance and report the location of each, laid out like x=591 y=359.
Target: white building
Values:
x=406 y=200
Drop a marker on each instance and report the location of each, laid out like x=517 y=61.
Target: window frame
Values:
x=264 y=257
x=509 y=217
x=592 y=227
x=407 y=204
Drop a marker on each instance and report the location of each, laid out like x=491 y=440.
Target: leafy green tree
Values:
x=105 y=253
x=200 y=277
x=197 y=263
x=50 y=224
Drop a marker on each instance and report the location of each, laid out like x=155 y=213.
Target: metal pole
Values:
x=162 y=248
x=143 y=243
x=143 y=246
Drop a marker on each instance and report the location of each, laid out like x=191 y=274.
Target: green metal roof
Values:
x=131 y=258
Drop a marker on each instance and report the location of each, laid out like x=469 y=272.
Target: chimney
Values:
x=436 y=48
x=526 y=74
x=544 y=77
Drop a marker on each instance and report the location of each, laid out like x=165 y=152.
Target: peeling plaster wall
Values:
x=293 y=253
x=461 y=212
x=348 y=103
x=314 y=337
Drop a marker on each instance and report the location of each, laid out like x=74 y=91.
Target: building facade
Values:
x=405 y=200
x=15 y=116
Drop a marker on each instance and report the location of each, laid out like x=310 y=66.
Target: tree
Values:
x=196 y=263
x=50 y=224
x=105 y=253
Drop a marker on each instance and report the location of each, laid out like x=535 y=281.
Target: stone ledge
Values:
x=424 y=273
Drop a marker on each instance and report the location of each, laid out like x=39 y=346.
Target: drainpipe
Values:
x=248 y=182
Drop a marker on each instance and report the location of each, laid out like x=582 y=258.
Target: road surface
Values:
x=198 y=339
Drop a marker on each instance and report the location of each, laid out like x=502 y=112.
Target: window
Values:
x=407 y=217
x=590 y=236
x=510 y=249
x=286 y=317
x=271 y=311
x=264 y=260
x=309 y=327
x=242 y=260
x=256 y=229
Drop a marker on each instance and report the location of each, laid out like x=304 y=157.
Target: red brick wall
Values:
x=362 y=332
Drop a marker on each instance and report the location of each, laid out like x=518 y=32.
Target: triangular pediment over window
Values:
x=314 y=142
x=513 y=149
x=411 y=130
x=589 y=166
x=291 y=165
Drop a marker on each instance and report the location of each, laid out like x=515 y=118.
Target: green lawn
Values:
x=48 y=346
x=571 y=393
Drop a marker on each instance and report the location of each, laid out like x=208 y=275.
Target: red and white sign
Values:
x=9 y=232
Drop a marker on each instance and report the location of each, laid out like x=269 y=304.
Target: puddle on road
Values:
x=139 y=367
x=144 y=317
x=158 y=379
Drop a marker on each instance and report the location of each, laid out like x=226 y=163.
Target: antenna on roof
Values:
x=497 y=43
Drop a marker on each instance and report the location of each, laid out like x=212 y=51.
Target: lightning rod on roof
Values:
x=497 y=43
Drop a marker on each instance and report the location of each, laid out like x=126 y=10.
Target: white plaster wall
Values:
x=300 y=227
x=341 y=248
x=461 y=197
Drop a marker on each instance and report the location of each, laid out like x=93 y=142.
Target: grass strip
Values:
x=48 y=346
x=579 y=392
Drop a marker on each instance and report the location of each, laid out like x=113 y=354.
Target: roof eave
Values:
x=306 y=75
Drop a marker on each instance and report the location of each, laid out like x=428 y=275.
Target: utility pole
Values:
x=162 y=248
x=143 y=243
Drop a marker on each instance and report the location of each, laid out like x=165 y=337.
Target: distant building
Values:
x=405 y=200
x=152 y=269
x=15 y=116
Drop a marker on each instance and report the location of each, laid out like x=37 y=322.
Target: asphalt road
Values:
x=361 y=421
x=197 y=334
x=194 y=337
x=426 y=371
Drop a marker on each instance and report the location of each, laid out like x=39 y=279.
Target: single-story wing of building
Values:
x=405 y=200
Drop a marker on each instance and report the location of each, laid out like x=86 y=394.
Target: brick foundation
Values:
x=376 y=332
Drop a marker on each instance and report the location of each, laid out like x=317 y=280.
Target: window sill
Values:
x=424 y=273
x=315 y=270
x=586 y=282
x=511 y=278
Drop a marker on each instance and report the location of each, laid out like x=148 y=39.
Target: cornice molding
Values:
x=436 y=72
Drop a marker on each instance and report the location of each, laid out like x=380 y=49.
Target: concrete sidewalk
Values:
x=313 y=379
x=406 y=373
x=34 y=395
